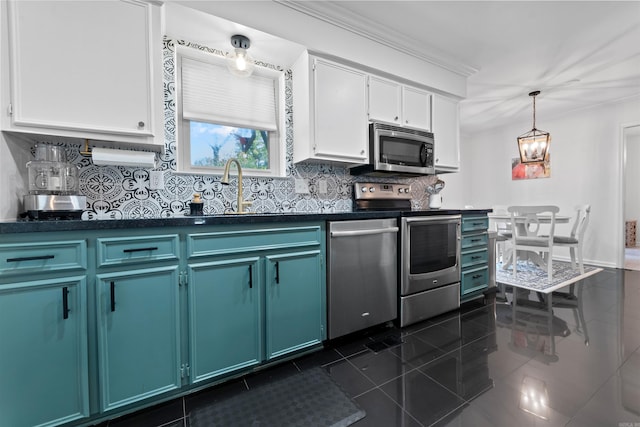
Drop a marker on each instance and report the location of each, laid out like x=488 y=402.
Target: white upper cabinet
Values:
x=416 y=108
x=446 y=134
x=392 y=102
x=86 y=69
x=385 y=100
x=330 y=112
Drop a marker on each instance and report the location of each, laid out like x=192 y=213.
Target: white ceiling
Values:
x=577 y=53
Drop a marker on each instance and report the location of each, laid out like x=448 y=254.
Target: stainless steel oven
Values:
x=430 y=266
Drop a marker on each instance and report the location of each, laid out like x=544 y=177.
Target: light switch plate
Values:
x=301 y=186
x=322 y=186
x=156 y=179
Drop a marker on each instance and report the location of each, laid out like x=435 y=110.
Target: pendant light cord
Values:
x=534 y=94
x=534 y=112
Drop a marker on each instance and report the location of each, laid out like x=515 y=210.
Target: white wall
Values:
x=457 y=191
x=632 y=180
x=585 y=168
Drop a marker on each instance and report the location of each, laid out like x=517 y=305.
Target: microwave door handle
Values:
x=423 y=154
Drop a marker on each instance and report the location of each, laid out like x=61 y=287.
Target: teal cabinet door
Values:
x=294 y=307
x=43 y=352
x=224 y=316
x=138 y=335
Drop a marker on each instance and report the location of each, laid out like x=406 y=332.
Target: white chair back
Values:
x=525 y=225
x=499 y=225
x=530 y=225
x=581 y=221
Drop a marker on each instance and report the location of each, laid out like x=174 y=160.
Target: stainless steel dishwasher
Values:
x=362 y=274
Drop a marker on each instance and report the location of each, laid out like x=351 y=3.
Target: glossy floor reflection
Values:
x=476 y=367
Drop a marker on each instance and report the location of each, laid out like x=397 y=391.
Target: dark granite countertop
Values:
x=24 y=226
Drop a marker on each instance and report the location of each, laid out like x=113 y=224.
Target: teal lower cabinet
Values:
x=138 y=326
x=224 y=317
x=254 y=294
x=43 y=352
x=94 y=325
x=474 y=256
x=293 y=305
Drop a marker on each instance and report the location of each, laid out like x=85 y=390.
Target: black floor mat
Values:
x=309 y=398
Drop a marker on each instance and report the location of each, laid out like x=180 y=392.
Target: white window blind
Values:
x=211 y=93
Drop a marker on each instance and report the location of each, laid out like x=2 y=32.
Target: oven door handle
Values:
x=433 y=219
x=364 y=232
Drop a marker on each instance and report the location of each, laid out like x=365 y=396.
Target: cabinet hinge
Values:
x=182 y=278
x=10 y=109
x=321 y=261
x=185 y=370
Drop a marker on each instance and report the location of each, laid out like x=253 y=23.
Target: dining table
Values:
x=521 y=224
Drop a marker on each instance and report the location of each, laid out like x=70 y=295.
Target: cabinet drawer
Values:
x=124 y=250
x=38 y=257
x=474 y=257
x=474 y=280
x=474 y=223
x=474 y=240
x=233 y=242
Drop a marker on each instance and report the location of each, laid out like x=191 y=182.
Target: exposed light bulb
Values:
x=239 y=62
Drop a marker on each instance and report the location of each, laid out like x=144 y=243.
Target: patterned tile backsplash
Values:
x=116 y=192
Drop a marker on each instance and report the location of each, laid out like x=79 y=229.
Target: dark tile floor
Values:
x=474 y=367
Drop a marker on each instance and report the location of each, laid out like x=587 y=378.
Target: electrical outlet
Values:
x=322 y=186
x=156 y=179
x=301 y=186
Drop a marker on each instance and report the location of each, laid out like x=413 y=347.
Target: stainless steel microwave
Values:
x=398 y=150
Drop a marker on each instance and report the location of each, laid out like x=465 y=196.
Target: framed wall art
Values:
x=521 y=171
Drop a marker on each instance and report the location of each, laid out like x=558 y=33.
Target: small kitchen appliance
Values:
x=53 y=186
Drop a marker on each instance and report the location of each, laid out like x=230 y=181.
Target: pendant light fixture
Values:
x=239 y=62
x=534 y=145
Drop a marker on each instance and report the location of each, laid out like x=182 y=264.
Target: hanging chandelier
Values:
x=534 y=145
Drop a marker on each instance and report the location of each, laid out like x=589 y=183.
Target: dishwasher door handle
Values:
x=364 y=232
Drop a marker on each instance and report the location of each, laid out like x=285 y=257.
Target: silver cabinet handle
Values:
x=364 y=232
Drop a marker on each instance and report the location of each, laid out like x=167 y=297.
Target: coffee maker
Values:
x=53 y=186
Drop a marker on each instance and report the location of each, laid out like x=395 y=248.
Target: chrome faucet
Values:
x=225 y=181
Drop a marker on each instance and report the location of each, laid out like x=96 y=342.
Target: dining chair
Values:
x=574 y=240
x=502 y=229
x=525 y=229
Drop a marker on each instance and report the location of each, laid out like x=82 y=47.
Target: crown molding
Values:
x=334 y=14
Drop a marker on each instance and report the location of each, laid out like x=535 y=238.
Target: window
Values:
x=222 y=116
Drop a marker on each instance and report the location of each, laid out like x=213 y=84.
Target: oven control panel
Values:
x=377 y=190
